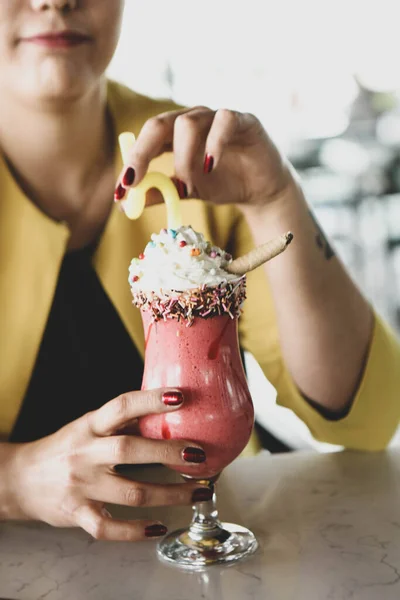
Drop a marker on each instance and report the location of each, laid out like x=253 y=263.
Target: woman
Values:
x=70 y=338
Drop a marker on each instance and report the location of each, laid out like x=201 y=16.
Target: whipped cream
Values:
x=179 y=260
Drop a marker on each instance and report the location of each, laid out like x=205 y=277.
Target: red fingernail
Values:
x=202 y=495
x=119 y=193
x=155 y=530
x=208 y=163
x=129 y=176
x=181 y=187
x=172 y=398
x=194 y=455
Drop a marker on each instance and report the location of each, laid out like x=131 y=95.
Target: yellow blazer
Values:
x=32 y=247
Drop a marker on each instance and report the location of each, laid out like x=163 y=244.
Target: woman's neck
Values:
x=59 y=154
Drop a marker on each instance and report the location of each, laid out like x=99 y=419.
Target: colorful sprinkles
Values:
x=205 y=302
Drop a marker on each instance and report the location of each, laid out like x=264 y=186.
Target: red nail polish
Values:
x=129 y=176
x=119 y=193
x=172 y=398
x=181 y=187
x=202 y=495
x=194 y=455
x=184 y=190
x=155 y=530
x=208 y=163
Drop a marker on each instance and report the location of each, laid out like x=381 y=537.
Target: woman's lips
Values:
x=64 y=39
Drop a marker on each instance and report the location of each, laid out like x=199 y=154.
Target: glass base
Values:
x=225 y=544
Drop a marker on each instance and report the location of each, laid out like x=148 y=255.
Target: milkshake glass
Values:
x=191 y=343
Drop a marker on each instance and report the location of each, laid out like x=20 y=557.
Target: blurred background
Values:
x=324 y=79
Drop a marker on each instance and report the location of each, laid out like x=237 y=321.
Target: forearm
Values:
x=324 y=322
x=9 y=508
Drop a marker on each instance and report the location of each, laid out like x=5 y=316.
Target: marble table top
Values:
x=328 y=527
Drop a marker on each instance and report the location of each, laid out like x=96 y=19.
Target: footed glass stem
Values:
x=207 y=541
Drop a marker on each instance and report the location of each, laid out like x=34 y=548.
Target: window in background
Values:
x=292 y=63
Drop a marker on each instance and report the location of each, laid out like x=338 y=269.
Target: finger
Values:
x=155 y=138
x=190 y=135
x=102 y=526
x=119 y=412
x=127 y=449
x=118 y=490
x=226 y=125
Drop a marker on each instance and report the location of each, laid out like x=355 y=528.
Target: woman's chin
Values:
x=58 y=84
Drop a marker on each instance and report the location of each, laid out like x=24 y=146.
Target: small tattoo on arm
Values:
x=321 y=240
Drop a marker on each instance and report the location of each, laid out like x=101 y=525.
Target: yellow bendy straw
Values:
x=135 y=201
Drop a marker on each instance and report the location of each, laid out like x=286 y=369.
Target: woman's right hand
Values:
x=65 y=478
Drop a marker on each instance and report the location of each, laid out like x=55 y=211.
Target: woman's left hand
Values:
x=223 y=156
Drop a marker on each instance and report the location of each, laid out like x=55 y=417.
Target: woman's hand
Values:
x=66 y=478
x=223 y=156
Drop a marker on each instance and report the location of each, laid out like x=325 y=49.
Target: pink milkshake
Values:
x=190 y=305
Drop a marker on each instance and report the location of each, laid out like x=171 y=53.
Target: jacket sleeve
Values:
x=375 y=411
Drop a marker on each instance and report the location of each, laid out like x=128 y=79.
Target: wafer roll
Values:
x=260 y=255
